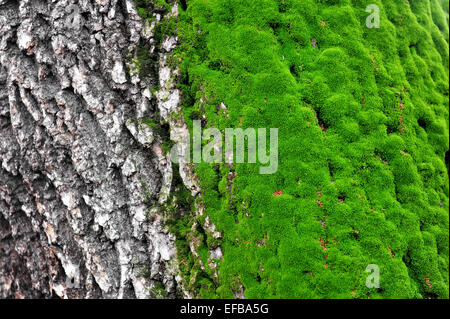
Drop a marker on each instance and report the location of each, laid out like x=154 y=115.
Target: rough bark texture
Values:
x=78 y=175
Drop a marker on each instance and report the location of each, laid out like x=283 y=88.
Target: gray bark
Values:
x=78 y=175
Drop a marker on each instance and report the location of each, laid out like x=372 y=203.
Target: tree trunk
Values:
x=79 y=174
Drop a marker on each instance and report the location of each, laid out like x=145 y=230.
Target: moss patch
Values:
x=363 y=137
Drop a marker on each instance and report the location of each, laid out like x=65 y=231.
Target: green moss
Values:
x=165 y=28
x=363 y=130
x=143 y=8
x=150 y=122
x=167 y=146
x=142 y=63
x=146 y=8
x=158 y=291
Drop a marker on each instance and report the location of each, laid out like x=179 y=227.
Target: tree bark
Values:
x=78 y=177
